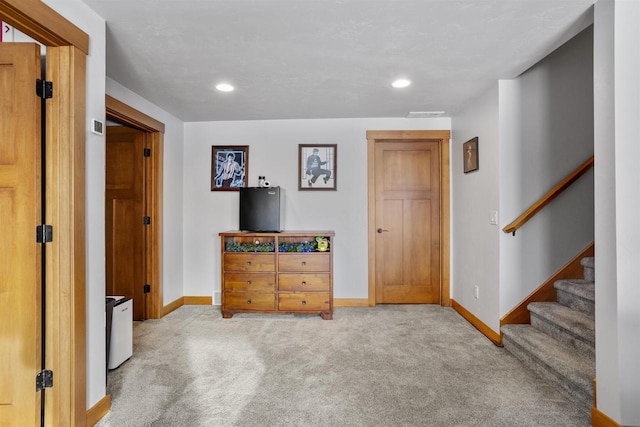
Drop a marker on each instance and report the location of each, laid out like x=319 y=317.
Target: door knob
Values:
x=380 y=230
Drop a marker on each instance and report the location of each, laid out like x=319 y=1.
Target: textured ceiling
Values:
x=294 y=59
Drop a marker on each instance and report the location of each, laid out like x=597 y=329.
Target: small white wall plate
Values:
x=97 y=127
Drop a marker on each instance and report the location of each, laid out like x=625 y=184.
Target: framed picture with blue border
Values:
x=317 y=166
x=229 y=167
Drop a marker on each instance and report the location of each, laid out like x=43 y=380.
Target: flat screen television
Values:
x=260 y=209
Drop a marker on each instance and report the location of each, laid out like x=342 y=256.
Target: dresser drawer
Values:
x=249 y=262
x=304 y=282
x=250 y=282
x=253 y=301
x=303 y=301
x=304 y=262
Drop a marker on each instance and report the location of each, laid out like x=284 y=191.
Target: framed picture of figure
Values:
x=470 y=155
x=317 y=166
x=229 y=167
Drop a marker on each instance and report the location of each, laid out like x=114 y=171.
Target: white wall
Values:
x=546 y=131
x=617 y=179
x=172 y=187
x=475 y=242
x=627 y=146
x=273 y=152
x=88 y=21
x=607 y=363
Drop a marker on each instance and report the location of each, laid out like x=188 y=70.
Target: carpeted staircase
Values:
x=559 y=344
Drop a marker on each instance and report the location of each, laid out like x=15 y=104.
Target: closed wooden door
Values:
x=20 y=255
x=407 y=192
x=124 y=214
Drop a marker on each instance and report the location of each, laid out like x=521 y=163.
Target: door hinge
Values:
x=146 y=220
x=44 y=379
x=147 y=288
x=44 y=89
x=44 y=233
x=147 y=152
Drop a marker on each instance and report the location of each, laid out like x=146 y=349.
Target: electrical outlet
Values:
x=476 y=291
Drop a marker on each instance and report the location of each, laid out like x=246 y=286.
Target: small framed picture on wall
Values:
x=317 y=166
x=470 y=155
x=229 y=167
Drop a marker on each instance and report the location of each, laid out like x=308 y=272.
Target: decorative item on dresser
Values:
x=287 y=272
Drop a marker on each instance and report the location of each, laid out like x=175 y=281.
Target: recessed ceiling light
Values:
x=225 y=87
x=400 y=83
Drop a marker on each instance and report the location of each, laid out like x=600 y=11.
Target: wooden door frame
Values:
x=67 y=47
x=124 y=114
x=442 y=138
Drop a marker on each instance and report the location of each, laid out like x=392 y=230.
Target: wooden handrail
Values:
x=547 y=198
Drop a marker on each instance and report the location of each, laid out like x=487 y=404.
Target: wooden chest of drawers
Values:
x=277 y=273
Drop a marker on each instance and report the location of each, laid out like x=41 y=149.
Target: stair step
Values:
x=569 y=326
x=577 y=294
x=551 y=359
x=589 y=264
x=588 y=261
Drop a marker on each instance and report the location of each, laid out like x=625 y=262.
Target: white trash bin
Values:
x=121 y=346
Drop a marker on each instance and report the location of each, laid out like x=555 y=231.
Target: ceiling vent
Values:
x=424 y=114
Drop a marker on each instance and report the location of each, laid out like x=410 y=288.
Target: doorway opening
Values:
x=134 y=208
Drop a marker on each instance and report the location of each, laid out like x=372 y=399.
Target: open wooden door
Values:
x=153 y=133
x=67 y=47
x=20 y=254
x=125 y=211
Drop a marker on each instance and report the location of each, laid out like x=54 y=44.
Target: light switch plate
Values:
x=493 y=219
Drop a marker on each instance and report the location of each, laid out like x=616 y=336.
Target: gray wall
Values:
x=533 y=131
x=546 y=131
x=475 y=248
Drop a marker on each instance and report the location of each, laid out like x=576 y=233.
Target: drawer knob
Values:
x=304 y=302
x=248 y=301
x=304 y=283
x=248 y=282
x=303 y=263
x=248 y=262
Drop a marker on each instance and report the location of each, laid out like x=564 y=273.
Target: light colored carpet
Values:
x=392 y=365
